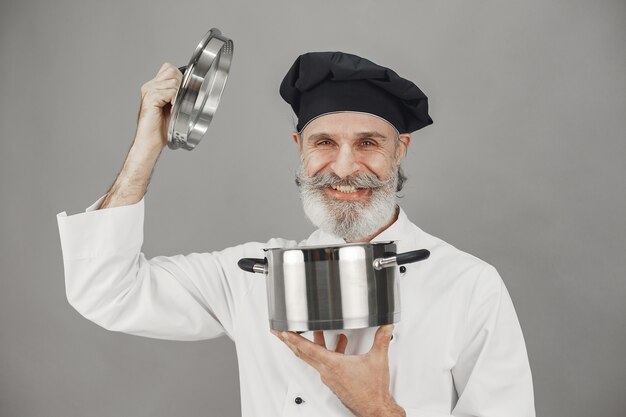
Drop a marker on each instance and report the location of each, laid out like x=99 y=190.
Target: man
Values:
x=458 y=349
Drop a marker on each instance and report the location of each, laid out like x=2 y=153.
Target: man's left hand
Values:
x=361 y=382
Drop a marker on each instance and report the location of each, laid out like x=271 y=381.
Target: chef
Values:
x=458 y=350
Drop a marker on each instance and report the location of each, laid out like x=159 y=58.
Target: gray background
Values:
x=524 y=167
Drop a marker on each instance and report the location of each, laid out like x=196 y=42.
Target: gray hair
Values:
x=401 y=179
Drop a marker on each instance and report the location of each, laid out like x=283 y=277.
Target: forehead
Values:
x=348 y=124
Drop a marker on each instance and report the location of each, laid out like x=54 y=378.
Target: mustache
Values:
x=329 y=179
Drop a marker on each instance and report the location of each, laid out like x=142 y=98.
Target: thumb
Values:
x=383 y=338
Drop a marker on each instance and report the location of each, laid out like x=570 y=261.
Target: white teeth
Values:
x=345 y=188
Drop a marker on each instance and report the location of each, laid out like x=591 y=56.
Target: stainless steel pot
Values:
x=347 y=286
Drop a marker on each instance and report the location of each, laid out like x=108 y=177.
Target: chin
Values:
x=349 y=220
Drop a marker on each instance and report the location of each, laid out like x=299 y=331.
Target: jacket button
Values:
x=299 y=400
x=402 y=269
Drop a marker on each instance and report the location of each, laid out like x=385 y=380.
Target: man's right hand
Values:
x=157 y=96
x=156 y=100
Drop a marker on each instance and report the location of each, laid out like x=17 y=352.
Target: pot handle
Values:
x=401 y=259
x=256 y=265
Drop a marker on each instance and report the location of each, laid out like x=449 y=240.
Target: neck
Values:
x=379 y=231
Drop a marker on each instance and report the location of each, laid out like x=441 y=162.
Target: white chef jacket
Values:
x=458 y=349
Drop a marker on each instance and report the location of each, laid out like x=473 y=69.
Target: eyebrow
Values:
x=373 y=134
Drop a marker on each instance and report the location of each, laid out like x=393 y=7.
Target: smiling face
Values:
x=349 y=171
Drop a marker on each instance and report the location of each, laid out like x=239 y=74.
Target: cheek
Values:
x=314 y=162
x=380 y=165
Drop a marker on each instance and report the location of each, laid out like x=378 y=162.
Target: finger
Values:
x=314 y=354
x=342 y=343
x=165 y=93
x=302 y=355
x=169 y=72
x=165 y=66
x=159 y=97
x=318 y=338
x=382 y=339
x=165 y=84
x=153 y=85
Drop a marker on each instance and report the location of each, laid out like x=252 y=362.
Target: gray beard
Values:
x=350 y=220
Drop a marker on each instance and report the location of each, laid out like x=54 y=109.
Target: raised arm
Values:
x=151 y=137
x=109 y=280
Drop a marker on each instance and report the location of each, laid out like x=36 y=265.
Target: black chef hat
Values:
x=324 y=82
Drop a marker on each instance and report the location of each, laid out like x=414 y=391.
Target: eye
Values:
x=367 y=142
x=324 y=142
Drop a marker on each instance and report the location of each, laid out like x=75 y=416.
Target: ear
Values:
x=404 y=140
x=296 y=138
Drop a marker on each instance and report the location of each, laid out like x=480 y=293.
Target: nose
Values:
x=345 y=163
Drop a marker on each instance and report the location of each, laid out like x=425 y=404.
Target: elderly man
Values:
x=458 y=349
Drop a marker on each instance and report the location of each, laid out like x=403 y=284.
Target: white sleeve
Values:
x=109 y=281
x=492 y=375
